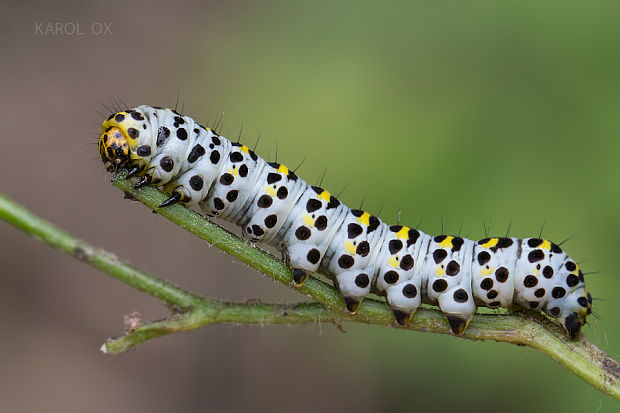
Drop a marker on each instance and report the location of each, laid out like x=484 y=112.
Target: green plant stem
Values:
x=529 y=329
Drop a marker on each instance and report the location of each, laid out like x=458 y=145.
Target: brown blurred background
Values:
x=453 y=111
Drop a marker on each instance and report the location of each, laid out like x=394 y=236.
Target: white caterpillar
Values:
x=317 y=233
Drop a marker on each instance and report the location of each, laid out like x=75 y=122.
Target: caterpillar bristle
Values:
x=317 y=233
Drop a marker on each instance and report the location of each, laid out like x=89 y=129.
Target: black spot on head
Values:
x=119 y=117
x=406 y=263
x=570 y=266
x=486 y=284
x=395 y=245
x=133 y=133
x=264 y=201
x=501 y=274
x=390 y=277
x=243 y=171
x=363 y=248
x=558 y=292
x=410 y=291
x=346 y=261
x=572 y=280
x=181 y=134
x=504 y=242
x=272 y=178
x=484 y=257
x=547 y=271
x=539 y=293
x=535 y=255
x=166 y=163
x=196 y=152
x=453 y=268
x=235 y=157
x=282 y=192
x=440 y=285
x=227 y=179
x=215 y=157
x=354 y=230
x=271 y=220
x=313 y=205
x=218 y=204
x=534 y=242
x=362 y=280
x=492 y=294
x=303 y=233
x=373 y=224
x=231 y=196
x=313 y=256
x=196 y=182
x=439 y=255
x=530 y=281
x=258 y=231
x=460 y=296
x=321 y=223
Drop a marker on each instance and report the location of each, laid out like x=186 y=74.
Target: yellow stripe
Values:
x=283 y=170
x=244 y=148
x=403 y=233
x=324 y=196
x=364 y=219
x=492 y=242
x=447 y=243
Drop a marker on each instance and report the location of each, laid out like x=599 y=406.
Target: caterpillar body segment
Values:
x=317 y=233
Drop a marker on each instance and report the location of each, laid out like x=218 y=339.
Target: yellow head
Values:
x=113 y=148
x=120 y=136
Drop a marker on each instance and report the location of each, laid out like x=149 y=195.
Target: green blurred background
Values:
x=461 y=112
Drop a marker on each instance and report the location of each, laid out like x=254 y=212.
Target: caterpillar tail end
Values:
x=402 y=318
x=299 y=277
x=458 y=324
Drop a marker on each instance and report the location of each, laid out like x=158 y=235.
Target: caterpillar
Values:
x=317 y=233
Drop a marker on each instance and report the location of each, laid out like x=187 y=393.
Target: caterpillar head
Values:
x=577 y=306
x=119 y=140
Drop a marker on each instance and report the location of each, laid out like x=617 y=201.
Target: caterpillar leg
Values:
x=353 y=286
x=404 y=299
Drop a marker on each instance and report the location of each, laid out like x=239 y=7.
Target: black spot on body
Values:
x=218 y=204
x=558 y=292
x=440 y=285
x=410 y=291
x=231 y=196
x=440 y=238
x=583 y=301
x=556 y=248
x=227 y=179
x=535 y=255
x=406 y=263
x=484 y=257
x=354 y=230
x=494 y=304
x=181 y=134
x=357 y=212
x=303 y=233
x=264 y=201
x=460 y=296
x=345 y=261
x=533 y=304
x=453 y=268
x=530 y=281
x=413 y=234
x=313 y=256
x=243 y=171
x=196 y=152
x=313 y=205
x=166 y=163
x=196 y=182
x=133 y=133
x=144 y=150
x=253 y=155
x=216 y=140
x=236 y=157
x=258 y=231
x=504 y=243
x=272 y=178
x=321 y=223
x=271 y=220
x=486 y=284
x=457 y=243
x=501 y=274
x=395 y=228
x=363 y=248
x=119 y=117
x=534 y=242
x=547 y=271
x=539 y=293
x=137 y=115
x=373 y=224
x=362 y=280
x=555 y=311
x=570 y=266
x=439 y=255
x=333 y=202
x=282 y=192
x=492 y=294
x=390 y=277
x=572 y=280
x=395 y=245
x=215 y=157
